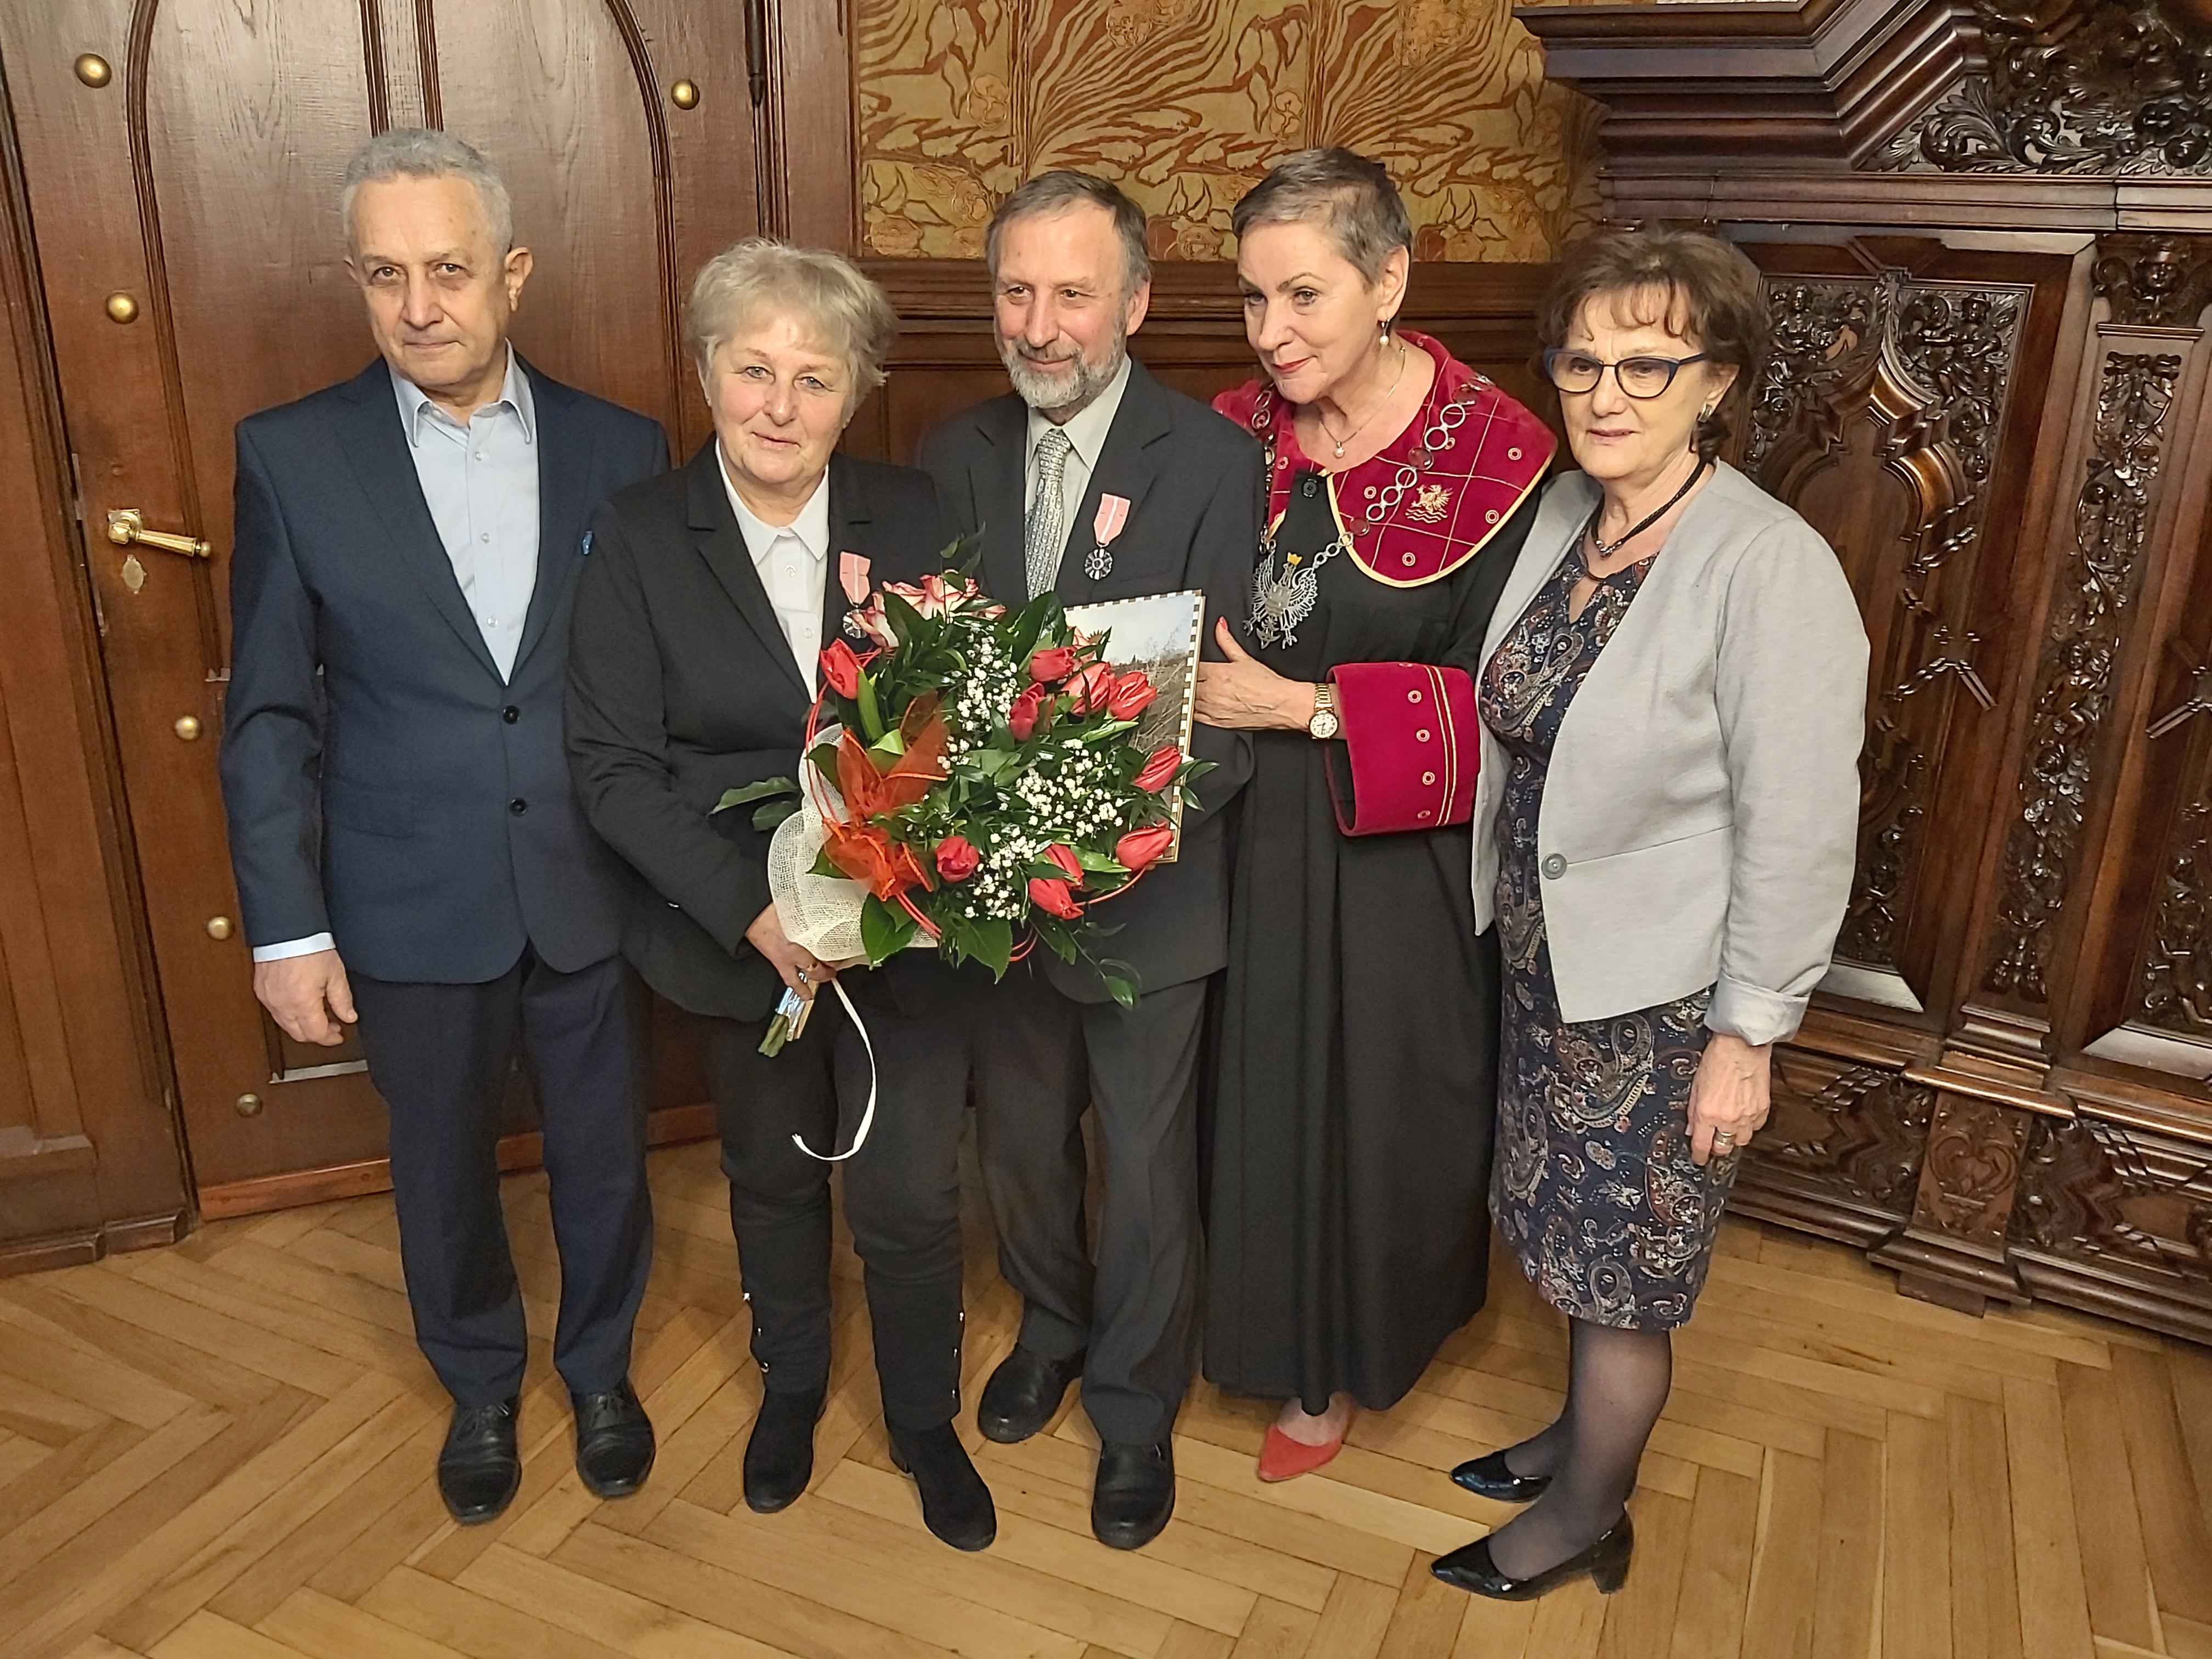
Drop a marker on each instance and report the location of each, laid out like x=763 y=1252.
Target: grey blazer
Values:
x=1701 y=816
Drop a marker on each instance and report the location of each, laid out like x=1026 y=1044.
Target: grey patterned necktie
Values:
x=1047 y=528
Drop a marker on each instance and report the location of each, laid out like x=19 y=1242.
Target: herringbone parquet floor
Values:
x=223 y=1451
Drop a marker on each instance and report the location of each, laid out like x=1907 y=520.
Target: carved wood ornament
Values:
x=2074 y=87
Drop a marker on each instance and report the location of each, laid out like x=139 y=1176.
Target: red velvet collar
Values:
x=1435 y=495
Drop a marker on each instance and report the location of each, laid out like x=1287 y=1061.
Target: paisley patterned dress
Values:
x=1593 y=1186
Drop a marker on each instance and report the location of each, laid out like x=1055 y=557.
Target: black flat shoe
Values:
x=1488 y=1476
x=479 y=1469
x=1470 y=1568
x=780 y=1455
x=1134 y=1493
x=956 y=1504
x=1023 y=1394
x=614 y=1441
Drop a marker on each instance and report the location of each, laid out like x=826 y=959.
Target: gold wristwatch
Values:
x=1323 y=724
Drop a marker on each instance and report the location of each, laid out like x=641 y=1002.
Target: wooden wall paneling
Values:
x=90 y=1157
x=808 y=187
x=1902 y=371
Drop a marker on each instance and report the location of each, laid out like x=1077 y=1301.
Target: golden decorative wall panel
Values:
x=1185 y=103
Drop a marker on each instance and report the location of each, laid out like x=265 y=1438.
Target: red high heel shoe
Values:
x=1282 y=1458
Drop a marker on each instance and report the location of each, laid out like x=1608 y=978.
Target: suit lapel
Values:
x=715 y=534
x=849 y=516
x=1128 y=464
x=564 y=473
x=375 y=445
x=997 y=483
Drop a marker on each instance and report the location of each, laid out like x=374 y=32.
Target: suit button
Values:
x=510 y=713
x=1554 y=868
x=517 y=807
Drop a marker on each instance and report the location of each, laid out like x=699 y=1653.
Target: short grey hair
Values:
x=829 y=291
x=1342 y=192
x=1051 y=192
x=426 y=153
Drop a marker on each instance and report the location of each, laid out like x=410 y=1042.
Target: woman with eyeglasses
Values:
x=1672 y=700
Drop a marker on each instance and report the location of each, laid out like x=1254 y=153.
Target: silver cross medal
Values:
x=1113 y=513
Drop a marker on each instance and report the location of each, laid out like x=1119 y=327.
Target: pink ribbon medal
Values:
x=1113 y=513
x=853 y=577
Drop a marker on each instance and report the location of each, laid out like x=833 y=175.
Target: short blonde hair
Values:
x=829 y=291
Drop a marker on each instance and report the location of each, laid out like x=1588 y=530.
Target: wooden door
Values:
x=182 y=160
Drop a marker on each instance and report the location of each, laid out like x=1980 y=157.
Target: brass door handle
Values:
x=126 y=527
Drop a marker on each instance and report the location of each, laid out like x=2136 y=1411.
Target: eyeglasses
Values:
x=1577 y=372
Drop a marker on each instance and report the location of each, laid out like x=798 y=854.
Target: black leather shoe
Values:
x=1023 y=1394
x=956 y=1504
x=1470 y=1568
x=1133 y=1495
x=478 y=1468
x=614 y=1441
x=780 y=1455
x=1488 y=1476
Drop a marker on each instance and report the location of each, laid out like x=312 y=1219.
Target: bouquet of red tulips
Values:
x=983 y=788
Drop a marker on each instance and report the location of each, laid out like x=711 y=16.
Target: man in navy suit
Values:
x=407 y=845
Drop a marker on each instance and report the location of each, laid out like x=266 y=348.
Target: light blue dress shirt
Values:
x=480 y=483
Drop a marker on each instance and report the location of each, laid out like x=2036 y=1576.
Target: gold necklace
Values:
x=1322 y=421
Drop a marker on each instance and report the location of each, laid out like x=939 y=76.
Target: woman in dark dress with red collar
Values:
x=1349 y=1228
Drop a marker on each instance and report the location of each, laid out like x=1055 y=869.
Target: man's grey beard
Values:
x=1051 y=396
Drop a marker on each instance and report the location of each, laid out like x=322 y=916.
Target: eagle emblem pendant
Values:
x=1280 y=603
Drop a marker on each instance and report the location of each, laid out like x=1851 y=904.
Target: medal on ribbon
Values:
x=1113 y=513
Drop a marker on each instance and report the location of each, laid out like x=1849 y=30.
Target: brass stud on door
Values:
x=218 y=926
x=93 y=70
x=684 y=94
x=187 y=727
x=122 y=308
x=249 y=1105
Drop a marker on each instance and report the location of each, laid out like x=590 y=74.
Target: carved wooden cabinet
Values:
x=1987 y=237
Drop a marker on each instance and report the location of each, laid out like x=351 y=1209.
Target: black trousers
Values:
x=439 y=1054
x=902 y=1189
x=1039 y=1058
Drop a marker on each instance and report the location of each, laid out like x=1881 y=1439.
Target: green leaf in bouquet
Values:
x=1121 y=981
x=906 y=622
x=994 y=944
x=769 y=814
x=872 y=721
x=963 y=558
x=766 y=789
x=823 y=759
x=1198 y=768
x=1099 y=734
x=1030 y=621
x=892 y=742
x=1090 y=860
x=884 y=929
x=992 y=763
x=823 y=866
x=1055 y=935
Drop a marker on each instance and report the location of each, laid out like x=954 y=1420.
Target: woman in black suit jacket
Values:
x=706 y=600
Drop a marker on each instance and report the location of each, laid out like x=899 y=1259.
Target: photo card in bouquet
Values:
x=1159 y=633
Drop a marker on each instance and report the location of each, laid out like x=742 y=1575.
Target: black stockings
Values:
x=1617 y=1384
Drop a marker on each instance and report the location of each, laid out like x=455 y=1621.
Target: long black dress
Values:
x=1354 y=1099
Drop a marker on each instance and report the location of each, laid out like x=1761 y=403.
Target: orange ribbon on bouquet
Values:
x=859 y=847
